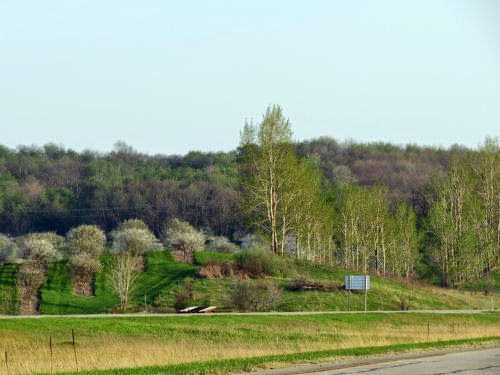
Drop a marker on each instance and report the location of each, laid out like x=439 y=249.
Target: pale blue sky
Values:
x=173 y=76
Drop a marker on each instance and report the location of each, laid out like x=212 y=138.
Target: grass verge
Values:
x=175 y=341
x=248 y=364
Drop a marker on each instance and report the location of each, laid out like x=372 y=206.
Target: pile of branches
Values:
x=301 y=284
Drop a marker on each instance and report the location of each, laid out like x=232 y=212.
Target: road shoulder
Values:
x=371 y=360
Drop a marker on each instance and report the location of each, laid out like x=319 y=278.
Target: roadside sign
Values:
x=356 y=283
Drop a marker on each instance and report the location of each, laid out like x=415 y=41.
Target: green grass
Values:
x=260 y=340
x=57 y=294
x=201 y=257
x=162 y=275
x=8 y=289
x=161 y=280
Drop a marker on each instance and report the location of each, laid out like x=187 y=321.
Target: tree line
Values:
x=407 y=211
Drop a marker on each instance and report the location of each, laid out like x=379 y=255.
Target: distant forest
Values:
x=51 y=188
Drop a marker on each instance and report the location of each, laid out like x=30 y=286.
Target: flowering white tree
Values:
x=9 y=250
x=181 y=236
x=86 y=244
x=130 y=240
x=133 y=237
x=38 y=250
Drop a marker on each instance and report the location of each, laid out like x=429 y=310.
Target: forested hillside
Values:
x=408 y=211
x=52 y=188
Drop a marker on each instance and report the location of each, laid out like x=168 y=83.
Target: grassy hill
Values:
x=163 y=279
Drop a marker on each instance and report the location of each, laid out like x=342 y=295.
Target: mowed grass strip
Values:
x=131 y=342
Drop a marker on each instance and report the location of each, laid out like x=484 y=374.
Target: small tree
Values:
x=222 y=244
x=123 y=276
x=259 y=295
x=86 y=244
x=9 y=250
x=181 y=236
x=133 y=237
x=38 y=251
x=130 y=240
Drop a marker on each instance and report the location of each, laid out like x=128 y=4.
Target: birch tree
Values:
x=267 y=154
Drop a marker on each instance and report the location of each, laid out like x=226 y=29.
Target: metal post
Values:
x=366 y=289
x=349 y=295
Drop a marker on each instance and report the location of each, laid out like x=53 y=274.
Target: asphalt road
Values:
x=484 y=361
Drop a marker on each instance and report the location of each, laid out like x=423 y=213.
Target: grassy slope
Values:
x=164 y=277
x=162 y=274
x=8 y=290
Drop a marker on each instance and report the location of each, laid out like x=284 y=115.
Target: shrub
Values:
x=247 y=295
x=211 y=270
x=31 y=276
x=37 y=249
x=257 y=261
x=222 y=244
x=83 y=265
x=86 y=239
x=404 y=304
x=86 y=243
x=9 y=250
x=43 y=247
x=185 y=296
x=133 y=240
x=181 y=236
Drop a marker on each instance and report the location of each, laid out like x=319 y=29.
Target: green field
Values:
x=206 y=344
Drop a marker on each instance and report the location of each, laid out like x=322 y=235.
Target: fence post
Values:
x=74 y=347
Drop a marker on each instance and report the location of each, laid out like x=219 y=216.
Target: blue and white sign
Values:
x=357 y=282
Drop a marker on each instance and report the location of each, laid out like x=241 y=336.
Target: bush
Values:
x=404 y=304
x=133 y=240
x=259 y=295
x=9 y=250
x=257 y=262
x=37 y=248
x=181 y=236
x=222 y=244
x=31 y=276
x=185 y=296
x=86 y=239
x=211 y=270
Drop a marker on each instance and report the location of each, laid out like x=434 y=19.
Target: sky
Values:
x=168 y=77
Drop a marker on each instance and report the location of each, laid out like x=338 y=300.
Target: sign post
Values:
x=356 y=283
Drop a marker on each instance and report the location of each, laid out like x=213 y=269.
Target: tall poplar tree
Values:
x=268 y=169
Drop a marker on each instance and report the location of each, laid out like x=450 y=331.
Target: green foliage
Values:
x=258 y=262
x=201 y=257
x=185 y=296
x=261 y=295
